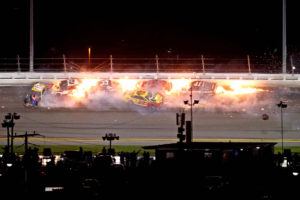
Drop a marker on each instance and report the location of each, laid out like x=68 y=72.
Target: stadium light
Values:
x=293 y=70
x=110 y=137
x=9 y=123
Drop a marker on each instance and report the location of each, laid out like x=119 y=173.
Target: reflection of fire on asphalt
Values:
x=174 y=91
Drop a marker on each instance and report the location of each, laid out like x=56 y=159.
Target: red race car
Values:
x=156 y=85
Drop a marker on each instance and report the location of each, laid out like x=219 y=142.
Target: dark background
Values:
x=145 y=28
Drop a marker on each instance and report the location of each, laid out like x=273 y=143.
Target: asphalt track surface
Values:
x=215 y=119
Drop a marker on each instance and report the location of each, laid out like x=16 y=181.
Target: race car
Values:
x=202 y=88
x=64 y=87
x=157 y=85
x=148 y=99
x=34 y=96
x=105 y=85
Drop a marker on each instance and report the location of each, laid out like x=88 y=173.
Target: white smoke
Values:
x=259 y=102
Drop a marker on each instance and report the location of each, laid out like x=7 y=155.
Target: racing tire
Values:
x=152 y=107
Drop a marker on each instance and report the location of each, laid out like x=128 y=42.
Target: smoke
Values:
x=97 y=101
x=52 y=101
x=255 y=103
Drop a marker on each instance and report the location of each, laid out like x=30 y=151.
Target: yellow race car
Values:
x=34 y=96
x=148 y=99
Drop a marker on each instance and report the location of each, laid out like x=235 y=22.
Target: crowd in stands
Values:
x=81 y=175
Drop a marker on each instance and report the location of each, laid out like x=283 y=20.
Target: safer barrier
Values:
x=28 y=77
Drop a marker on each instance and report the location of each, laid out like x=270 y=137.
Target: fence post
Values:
x=111 y=64
x=292 y=65
x=18 y=62
x=157 y=65
x=65 y=64
x=203 y=66
x=249 y=67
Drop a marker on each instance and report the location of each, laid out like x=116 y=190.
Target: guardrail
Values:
x=28 y=77
x=247 y=64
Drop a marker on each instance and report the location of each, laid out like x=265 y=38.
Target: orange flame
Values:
x=127 y=84
x=237 y=88
x=55 y=86
x=83 y=88
x=179 y=84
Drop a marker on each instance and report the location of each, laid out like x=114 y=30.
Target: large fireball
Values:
x=127 y=84
x=84 y=88
x=237 y=88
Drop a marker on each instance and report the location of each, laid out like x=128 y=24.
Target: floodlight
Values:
x=8 y=116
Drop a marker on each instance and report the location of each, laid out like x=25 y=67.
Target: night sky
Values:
x=146 y=28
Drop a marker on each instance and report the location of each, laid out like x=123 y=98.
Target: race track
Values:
x=213 y=120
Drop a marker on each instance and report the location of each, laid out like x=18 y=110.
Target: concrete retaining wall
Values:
x=28 y=78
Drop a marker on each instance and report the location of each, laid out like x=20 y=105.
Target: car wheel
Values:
x=152 y=107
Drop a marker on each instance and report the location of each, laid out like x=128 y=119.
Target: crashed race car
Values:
x=64 y=87
x=106 y=86
x=34 y=96
x=148 y=99
x=156 y=85
x=201 y=88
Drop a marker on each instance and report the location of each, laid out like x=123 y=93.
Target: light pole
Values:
x=89 y=51
x=281 y=105
x=284 y=47
x=110 y=137
x=31 y=47
x=186 y=102
x=9 y=123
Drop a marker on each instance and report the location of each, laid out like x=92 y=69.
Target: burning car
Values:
x=156 y=85
x=64 y=87
x=144 y=98
x=203 y=87
x=200 y=89
x=105 y=86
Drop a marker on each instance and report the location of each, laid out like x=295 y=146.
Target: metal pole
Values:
x=292 y=65
x=281 y=132
x=284 y=48
x=18 y=62
x=89 y=50
x=65 y=64
x=111 y=64
x=203 y=66
x=191 y=99
x=249 y=68
x=8 y=138
x=31 y=38
x=26 y=142
x=157 y=64
x=12 y=136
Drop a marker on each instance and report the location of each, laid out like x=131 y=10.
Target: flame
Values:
x=127 y=84
x=83 y=88
x=179 y=84
x=55 y=86
x=237 y=88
